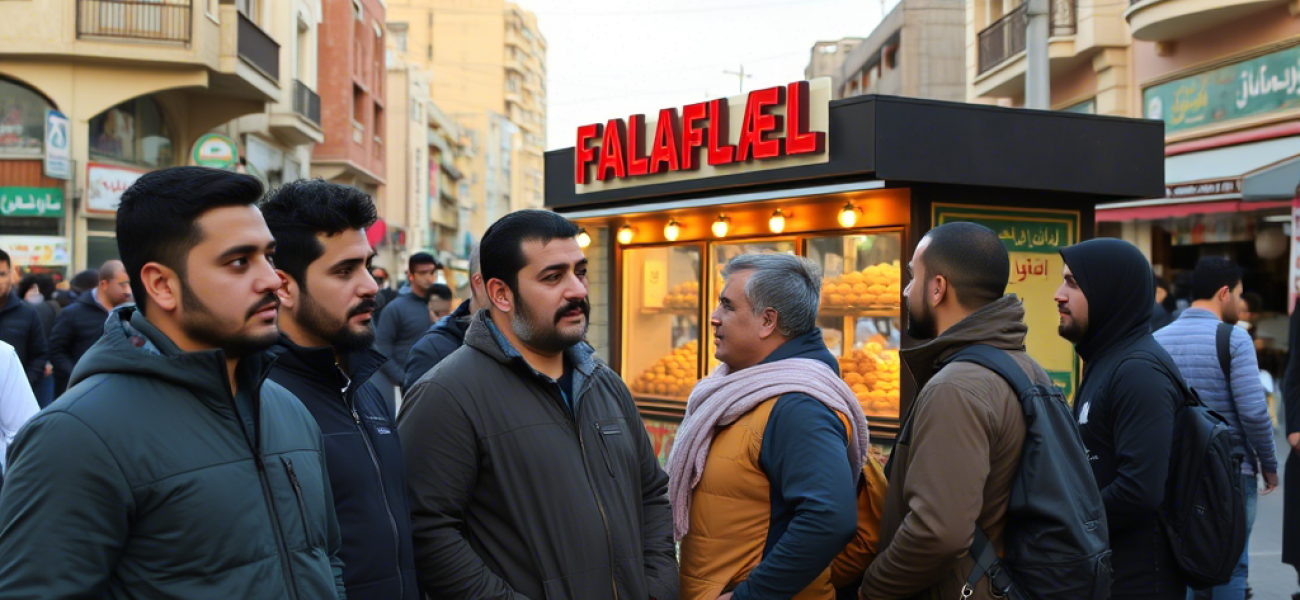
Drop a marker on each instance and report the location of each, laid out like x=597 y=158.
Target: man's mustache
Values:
x=582 y=305
x=269 y=301
x=1062 y=309
x=365 y=306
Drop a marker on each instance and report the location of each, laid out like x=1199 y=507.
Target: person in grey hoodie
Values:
x=1191 y=341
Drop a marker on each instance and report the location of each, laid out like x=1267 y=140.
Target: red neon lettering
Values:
x=612 y=164
x=583 y=155
x=637 y=163
x=758 y=123
x=798 y=140
x=692 y=134
x=663 y=156
x=720 y=152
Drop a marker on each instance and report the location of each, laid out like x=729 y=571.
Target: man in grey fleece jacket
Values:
x=1191 y=341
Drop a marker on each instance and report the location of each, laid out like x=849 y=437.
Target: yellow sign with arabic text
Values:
x=1033 y=239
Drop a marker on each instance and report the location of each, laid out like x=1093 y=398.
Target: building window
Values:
x=358 y=106
x=22 y=120
x=134 y=132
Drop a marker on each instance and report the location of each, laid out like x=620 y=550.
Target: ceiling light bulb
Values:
x=584 y=238
x=672 y=230
x=848 y=215
x=720 y=226
x=625 y=234
x=777 y=223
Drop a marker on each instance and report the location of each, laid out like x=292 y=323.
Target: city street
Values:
x=1268 y=576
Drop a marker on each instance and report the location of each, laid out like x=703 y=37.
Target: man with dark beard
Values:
x=171 y=468
x=957 y=457
x=327 y=304
x=530 y=472
x=1125 y=407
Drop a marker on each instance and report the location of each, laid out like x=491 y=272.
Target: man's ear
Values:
x=162 y=284
x=500 y=296
x=288 y=291
x=940 y=291
x=768 y=323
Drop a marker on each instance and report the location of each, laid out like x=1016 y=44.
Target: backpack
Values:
x=850 y=564
x=1056 y=539
x=1204 y=515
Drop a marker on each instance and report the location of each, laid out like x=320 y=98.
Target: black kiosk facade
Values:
x=664 y=205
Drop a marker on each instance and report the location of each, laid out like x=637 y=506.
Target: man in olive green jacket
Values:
x=171 y=468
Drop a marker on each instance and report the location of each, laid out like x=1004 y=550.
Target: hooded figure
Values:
x=1125 y=407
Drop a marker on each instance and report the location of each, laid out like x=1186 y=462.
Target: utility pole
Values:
x=742 y=75
x=1038 y=78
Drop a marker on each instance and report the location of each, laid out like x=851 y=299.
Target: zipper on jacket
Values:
x=275 y=522
x=586 y=468
x=283 y=547
x=604 y=446
x=383 y=495
x=297 y=492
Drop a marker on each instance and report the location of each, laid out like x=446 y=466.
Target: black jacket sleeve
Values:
x=805 y=454
x=63 y=338
x=37 y=351
x=427 y=352
x=440 y=446
x=386 y=333
x=1143 y=402
x=1291 y=385
x=657 y=516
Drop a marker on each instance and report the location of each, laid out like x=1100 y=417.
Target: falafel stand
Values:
x=852 y=184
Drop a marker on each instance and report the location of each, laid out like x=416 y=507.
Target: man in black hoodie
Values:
x=446 y=335
x=1125 y=407
x=327 y=302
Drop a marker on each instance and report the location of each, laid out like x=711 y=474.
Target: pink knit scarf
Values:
x=721 y=398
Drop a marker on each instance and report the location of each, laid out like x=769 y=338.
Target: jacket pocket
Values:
x=612 y=438
x=302 y=503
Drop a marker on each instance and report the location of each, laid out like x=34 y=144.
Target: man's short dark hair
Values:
x=41 y=281
x=501 y=251
x=421 y=258
x=156 y=219
x=297 y=212
x=440 y=291
x=1162 y=283
x=1254 y=301
x=4 y=258
x=1212 y=274
x=85 y=280
x=973 y=260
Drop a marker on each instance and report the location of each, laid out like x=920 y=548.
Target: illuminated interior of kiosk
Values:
x=668 y=277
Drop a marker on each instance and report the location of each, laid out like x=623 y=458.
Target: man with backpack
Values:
x=1125 y=407
x=1218 y=360
x=956 y=478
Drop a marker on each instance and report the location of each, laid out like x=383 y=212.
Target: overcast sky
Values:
x=613 y=58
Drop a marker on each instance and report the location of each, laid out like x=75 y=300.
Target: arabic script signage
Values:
x=105 y=184
x=1033 y=239
x=1261 y=85
x=31 y=202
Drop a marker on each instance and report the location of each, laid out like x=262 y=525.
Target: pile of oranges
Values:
x=873 y=374
x=672 y=375
x=683 y=295
x=877 y=285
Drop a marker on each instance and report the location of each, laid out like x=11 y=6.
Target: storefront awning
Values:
x=1265 y=170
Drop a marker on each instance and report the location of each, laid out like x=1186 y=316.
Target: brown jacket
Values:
x=955 y=469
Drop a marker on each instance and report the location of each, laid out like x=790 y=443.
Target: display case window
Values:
x=860 y=313
x=661 y=315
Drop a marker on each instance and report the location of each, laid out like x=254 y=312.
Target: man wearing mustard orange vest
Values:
x=765 y=464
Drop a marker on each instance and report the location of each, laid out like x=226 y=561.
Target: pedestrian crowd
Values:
x=228 y=425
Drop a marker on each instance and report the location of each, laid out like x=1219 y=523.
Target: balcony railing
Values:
x=306 y=102
x=1005 y=38
x=163 y=21
x=257 y=48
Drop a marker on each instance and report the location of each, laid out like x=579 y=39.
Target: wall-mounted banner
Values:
x=58 y=150
x=105 y=184
x=1261 y=85
x=216 y=151
x=1033 y=238
x=31 y=202
x=36 y=250
x=771 y=128
x=662 y=435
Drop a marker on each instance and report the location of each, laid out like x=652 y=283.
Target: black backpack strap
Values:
x=1223 y=342
x=997 y=361
x=987 y=564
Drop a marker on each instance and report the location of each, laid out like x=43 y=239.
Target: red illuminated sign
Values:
x=699 y=135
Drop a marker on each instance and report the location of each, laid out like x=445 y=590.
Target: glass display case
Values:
x=662 y=320
x=860 y=313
